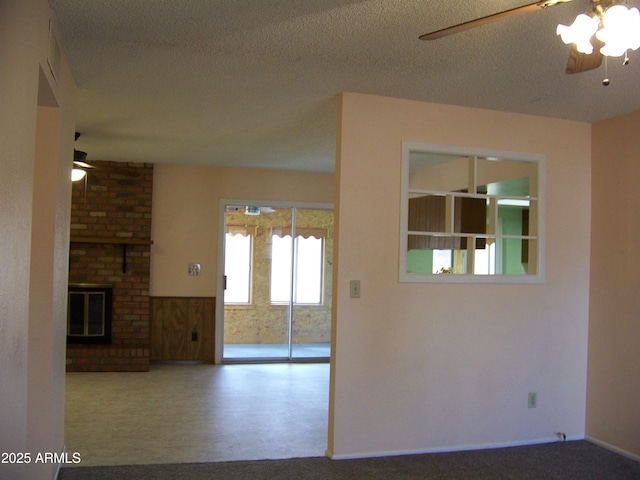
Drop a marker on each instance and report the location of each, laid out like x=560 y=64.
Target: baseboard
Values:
x=613 y=448
x=454 y=448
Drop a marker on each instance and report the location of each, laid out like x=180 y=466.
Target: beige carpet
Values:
x=561 y=461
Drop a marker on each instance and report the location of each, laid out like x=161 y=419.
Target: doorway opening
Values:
x=275 y=278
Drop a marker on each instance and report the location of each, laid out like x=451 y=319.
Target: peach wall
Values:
x=36 y=148
x=185 y=217
x=424 y=367
x=613 y=416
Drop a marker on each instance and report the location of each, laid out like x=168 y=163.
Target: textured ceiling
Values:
x=253 y=83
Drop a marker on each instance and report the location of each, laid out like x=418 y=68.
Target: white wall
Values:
x=185 y=217
x=422 y=367
x=36 y=148
x=613 y=413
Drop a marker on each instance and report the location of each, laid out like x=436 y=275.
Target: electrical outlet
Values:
x=532 y=401
x=354 y=288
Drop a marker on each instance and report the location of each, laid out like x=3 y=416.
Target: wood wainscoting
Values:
x=183 y=328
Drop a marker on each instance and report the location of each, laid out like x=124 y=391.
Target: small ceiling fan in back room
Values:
x=81 y=167
x=609 y=29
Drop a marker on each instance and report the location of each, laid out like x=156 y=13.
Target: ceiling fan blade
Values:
x=582 y=62
x=80 y=164
x=478 y=22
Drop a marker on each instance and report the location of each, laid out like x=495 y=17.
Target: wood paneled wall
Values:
x=182 y=328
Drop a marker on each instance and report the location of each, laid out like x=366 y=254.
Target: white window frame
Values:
x=413 y=147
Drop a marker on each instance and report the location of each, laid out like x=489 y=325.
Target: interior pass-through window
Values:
x=471 y=215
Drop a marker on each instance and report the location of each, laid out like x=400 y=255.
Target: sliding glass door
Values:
x=277 y=275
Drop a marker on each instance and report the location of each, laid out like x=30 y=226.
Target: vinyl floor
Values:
x=198 y=413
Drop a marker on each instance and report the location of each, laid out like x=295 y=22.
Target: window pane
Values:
x=308 y=284
x=76 y=314
x=308 y=270
x=485 y=260
x=442 y=261
x=237 y=268
x=95 y=322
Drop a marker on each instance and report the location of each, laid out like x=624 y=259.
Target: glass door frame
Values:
x=219 y=320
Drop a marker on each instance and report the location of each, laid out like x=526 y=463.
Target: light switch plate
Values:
x=354 y=288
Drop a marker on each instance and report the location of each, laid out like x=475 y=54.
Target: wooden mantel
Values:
x=113 y=241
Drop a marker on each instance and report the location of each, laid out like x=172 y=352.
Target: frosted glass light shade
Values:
x=621 y=30
x=579 y=32
x=77 y=174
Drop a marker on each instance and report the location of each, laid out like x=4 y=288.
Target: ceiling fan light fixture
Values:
x=252 y=210
x=580 y=32
x=77 y=174
x=620 y=31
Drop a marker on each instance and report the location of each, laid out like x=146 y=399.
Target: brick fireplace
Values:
x=110 y=244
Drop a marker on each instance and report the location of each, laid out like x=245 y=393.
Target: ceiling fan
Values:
x=250 y=209
x=579 y=59
x=80 y=165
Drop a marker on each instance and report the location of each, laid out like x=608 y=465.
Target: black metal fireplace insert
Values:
x=89 y=313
